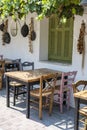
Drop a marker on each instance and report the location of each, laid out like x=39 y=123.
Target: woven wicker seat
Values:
x=83 y=111
x=36 y=93
x=13 y=83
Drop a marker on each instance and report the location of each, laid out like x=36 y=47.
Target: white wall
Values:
x=19 y=47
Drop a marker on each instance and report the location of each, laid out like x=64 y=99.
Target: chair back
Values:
x=2 y=65
x=67 y=79
x=19 y=62
x=1 y=57
x=27 y=65
x=79 y=86
x=14 y=66
x=50 y=82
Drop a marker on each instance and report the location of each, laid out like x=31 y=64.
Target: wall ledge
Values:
x=55 y=63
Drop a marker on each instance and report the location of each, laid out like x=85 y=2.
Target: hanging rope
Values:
x=30 y=42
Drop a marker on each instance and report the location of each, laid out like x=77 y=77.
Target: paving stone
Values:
x=14 y=118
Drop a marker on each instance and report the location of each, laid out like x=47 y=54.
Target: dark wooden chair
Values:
x=78 y=86
x=19 y=62
x=27 y=65
x=15 y=87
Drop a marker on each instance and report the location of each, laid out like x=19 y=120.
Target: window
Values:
x=60 y=40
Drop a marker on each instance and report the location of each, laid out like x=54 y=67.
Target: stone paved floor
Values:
x=14 y=118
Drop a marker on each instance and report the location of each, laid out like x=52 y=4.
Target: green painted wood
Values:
x=60 y=40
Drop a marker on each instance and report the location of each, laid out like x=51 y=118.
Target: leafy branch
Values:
x=43 y=8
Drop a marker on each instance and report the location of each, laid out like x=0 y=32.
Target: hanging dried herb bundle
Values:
x=80 y=45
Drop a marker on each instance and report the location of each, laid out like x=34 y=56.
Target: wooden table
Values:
x=80 y=97
x=27 y=78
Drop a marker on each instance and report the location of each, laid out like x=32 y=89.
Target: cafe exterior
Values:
x=43 y=49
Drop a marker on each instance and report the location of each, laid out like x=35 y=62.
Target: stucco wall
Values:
x=19 y=47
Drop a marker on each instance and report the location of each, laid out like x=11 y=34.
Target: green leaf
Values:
x=43 y=8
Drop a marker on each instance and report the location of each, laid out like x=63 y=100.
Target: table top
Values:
x=31 y=75
x=81 y=95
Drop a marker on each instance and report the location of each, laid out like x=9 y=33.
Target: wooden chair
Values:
x=78 y=86
x=41 y=94
x=2 y=64
x=19 y=62
x=62 y=91
x=27 y=65
x=16 y=87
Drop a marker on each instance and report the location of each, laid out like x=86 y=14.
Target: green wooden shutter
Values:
x=60 y=40
x=52 y=36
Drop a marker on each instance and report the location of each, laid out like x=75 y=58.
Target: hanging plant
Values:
x=20 y=8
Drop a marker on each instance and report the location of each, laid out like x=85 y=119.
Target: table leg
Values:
x=77 y=105
x=28 y=101
x=7 y=91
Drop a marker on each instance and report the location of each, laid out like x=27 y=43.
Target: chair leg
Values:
x=31 y=87
x=14 y=96
x=61 y=103
x=17 y=90
x=68 y=100
x=40 y=108
x=51 y=105
x=85 y=128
